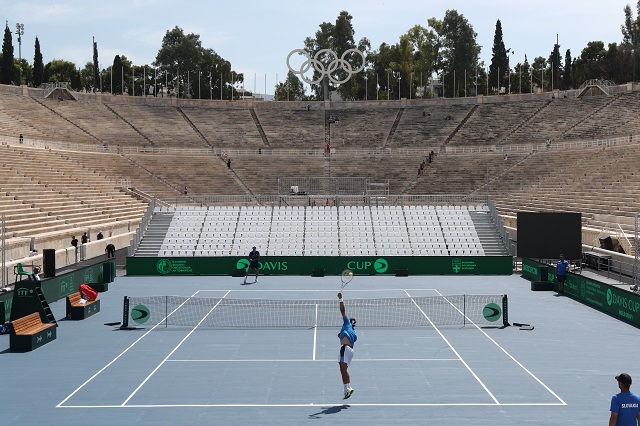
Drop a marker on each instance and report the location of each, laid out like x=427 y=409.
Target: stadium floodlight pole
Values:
x=144 y=81
x=20 y=32
x=199 y=75
x=377 y=87
x=399 y=89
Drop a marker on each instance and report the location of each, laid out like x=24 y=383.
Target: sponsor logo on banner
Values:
x=88 y=275
x=164 y=266
x=458 y=265
x=266 y=265
x=380 y=265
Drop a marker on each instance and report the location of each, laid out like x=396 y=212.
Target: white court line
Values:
x=321 y=290
x=328 y=404
x=171 y=353
x=454 y=350
x=508 y=354
x=316 y=360
x=315 y=333
x=116 y=358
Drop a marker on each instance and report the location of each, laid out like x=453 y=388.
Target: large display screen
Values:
x=546 y=235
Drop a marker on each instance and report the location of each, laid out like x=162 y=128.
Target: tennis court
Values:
x=559 y=373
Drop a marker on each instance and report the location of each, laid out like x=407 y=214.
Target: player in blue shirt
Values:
x=561 y=273
x=347 y=338
x=625 y=406
x=254 y=263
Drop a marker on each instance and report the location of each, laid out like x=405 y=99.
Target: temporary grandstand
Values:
x=119 y=165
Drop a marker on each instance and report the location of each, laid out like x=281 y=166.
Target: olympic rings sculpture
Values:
x=326 y=70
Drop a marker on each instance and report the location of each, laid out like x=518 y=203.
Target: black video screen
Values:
x=545 y=235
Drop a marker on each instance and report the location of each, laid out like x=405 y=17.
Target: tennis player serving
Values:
x=347 y=338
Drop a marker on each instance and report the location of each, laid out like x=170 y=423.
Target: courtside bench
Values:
x=80 y=311
x=29 y=333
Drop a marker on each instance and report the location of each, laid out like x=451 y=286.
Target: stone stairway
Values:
x=154 y=235
x=488 y=235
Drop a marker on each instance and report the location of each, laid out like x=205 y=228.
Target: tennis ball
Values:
x=492 y=312
x=140 y=314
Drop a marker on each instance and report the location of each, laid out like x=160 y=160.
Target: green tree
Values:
x=181 y=56
x=555 y=67
x=291 y=89
x=60 y=71
x=38 y=65
x=339 y=38
x=499 y=68
x=459 y=53
x=7 y=66
x=567 y=75
x=591 y=63
x=96 y=67
x=538 y=71
x=27 y=71
x=118 y=69
x=426 y=43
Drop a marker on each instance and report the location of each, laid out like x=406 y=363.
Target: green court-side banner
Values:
x=63 y=285
x=610 y=299
x=285 y=265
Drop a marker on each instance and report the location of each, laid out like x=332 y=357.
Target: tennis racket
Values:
x=346 y=276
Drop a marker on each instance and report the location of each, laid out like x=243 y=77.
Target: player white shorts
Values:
x=346 y=354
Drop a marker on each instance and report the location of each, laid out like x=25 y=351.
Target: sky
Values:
x=256 y=36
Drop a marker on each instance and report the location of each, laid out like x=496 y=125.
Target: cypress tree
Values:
x=7 y=68
x=38 y=65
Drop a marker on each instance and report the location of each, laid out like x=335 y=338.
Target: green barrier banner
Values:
x=289 y=265
x=610 y=299
x=535 y=271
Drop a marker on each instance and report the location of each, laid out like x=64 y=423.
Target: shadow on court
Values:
x=331 y=410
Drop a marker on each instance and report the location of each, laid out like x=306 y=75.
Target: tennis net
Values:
x=262 y=313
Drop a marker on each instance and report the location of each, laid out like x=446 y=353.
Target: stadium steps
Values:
x=489 y=238
x=461 y=125
x=193 y=126
x=67 y=120
x=394 y=127
x=154 y=235
x=263 y=135
x=146 y=138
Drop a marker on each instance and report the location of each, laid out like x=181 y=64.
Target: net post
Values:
x=505 y=311
x=166 y=311
x=464 y=310
x=125 y=312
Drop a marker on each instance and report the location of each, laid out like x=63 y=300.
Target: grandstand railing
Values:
x=320 y=200
x=146 y=219
x=320 y=152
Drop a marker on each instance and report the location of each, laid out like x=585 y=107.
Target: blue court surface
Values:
x=561 y=372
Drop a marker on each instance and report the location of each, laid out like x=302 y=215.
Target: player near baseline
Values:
x=347 y=338
x=254 y=263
